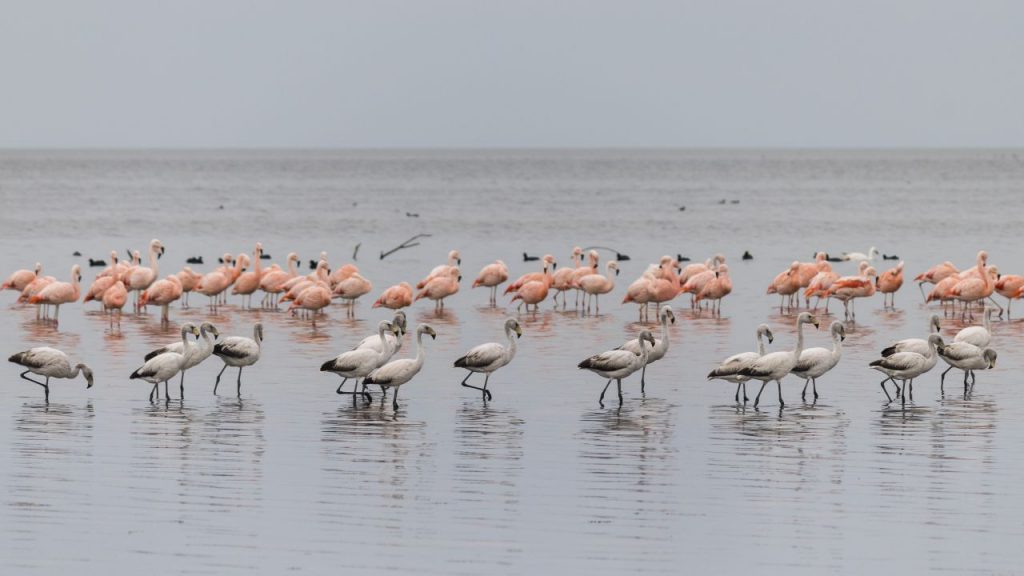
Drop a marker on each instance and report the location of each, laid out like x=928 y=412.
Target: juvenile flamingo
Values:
x=888 y=283
x=491 y=276
x=487 y=358
x=239 y=352
x=618 y=364
x=395 y=297
x=729 y=369
x=51 y=363
x=396 y=373
x=777 y=365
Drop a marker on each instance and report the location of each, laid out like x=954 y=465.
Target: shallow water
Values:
x=292 y=477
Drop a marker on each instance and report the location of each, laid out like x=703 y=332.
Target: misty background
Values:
x=440 y=73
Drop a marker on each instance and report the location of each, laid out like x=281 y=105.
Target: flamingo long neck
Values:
x=837 y=345
x=986 y=321
x=291 y=268
x=760 y=343
x=511 y=351
x=74 y=372
x=256 y=267
x=664 y=331
x=383 y=341
x=153 y=262
x=207 y=341
x=257 y=335
x=420 y=353
x=577 y=260
x=608 y=274
x=644 y=352
x=799 y=339
x=184 y=340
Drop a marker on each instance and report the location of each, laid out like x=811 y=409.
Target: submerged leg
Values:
x=619 y=384
x=781 y=403
x=758 y=398
x=600 y=400
x=882 y=384
x=483 y=389
x=217 y=383
x=239 y=381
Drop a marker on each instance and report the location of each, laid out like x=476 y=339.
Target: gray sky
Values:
x=383 y=73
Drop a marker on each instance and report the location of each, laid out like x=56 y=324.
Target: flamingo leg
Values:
x=600 y=400
x=757 y=400
x=240 y=381
x=217 y=382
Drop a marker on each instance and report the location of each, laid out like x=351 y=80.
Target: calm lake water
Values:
x=293 y=478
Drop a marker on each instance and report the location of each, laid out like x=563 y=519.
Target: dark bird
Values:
x=528 y=258
x=832 y=258
x=199 y=260
x=681 y=258
x=97 y=262
x=890 y=257
x=265 y=256
x=747 y=255
x=412 y=215
x=682 y=208
x=312 y=264
x=77 y=253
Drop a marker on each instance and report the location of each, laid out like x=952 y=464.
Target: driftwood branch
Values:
x=407 y=244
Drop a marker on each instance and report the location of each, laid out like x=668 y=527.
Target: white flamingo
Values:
x=777 y=365
x=239 y=351
x=360 y=362
x=401 y=371
x=51 y=363
x=163 y=367
x=816 y=362
x=660 y=347
x=729 y=369
x=968 y=358
x=906 y=366
x=979 y=336
x=194 y=353
x=919 y=345
x=486 y=358
x=618 y=364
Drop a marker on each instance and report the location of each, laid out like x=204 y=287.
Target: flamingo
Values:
x=35 y=287
x=1009 y=286
x=641 y=291
x=786 y=283
x=888 y=283
x=860 y=256
x=341 y=274
x=162 y=293
x=906 y=366
x=849 y=288
x=443 y=270
x=98 y=287
x=351 y=289
x=239 y=352
x=777 y=365
x=562 y=279
x=395 y=297
x=487 y=358
x=318 y=275
x=392 y=340
x=398 y=372
x=968 y=358
x=692 y=269
x=595 y=284
x=979 y=336
x=816 y=362
x=807 y=272
x=971 y=290
x=116 y=268
x=19 y=279
x=314 y=298
x=918 y=345
x=273 y=281
x=491 y=276
x=618 y=364
x=140 y=277
x=533 y=292
x=57 y=293
x=664 y=283
x=114 y=298
x=935 y=274
x=51 y=363
x=717 y=288
x=658 y=349
x=577 y=274
x=729 y=369
x=189 y=280
x=819 y=285
x=942 y=291
x=359 y=362
x=194 y=353
x=163 y=367
x=547 y=265
x=248 y=282
x=441 y=287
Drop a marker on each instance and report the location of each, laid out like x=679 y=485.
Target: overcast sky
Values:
x=521 y=73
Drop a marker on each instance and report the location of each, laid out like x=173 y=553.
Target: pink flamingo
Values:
x=114 y=298
x=942 y=292
x=98 y=287
x=491 y=276
x=822 y=281
x=594 y=285
x=969 y=290
x=319 y=275
x=342 y=274
x=807 y=272
x=314 y=298
x=533 y=292
x=547 y=265
x=849 y=288
x=57 y=293
x=717 y=288
x=889 y=282
x=785 y=284
x=561 y=280
x=116 y=268
x=213 y=284
x=664 y=284
x=441 y=287
x=935 y=274
x=442 y=270
x=591 y=268
x=248 y=282
x=641 y=292
x=273 y=281
x=1008 y=286
x=140 y=277
x=697 y=267
x=189 y=280
x=161 y=293
x=351 y=289
x=21 y=278
x=395 y=297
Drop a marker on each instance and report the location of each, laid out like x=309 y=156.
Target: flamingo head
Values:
x=87 y=372
x=512 y=325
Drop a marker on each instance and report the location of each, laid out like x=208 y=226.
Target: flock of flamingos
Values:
x=371 y=362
